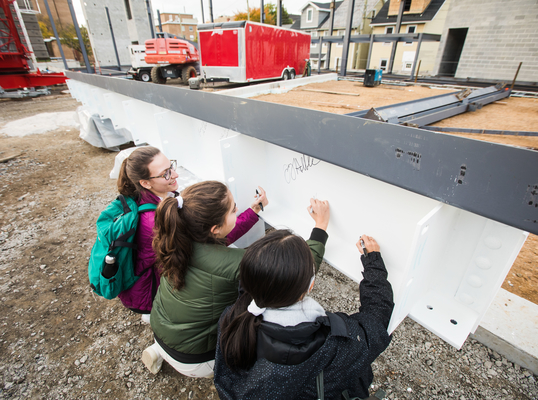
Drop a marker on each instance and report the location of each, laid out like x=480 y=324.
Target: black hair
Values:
x=276 y=272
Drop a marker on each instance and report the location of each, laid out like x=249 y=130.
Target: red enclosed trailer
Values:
x=244 y=51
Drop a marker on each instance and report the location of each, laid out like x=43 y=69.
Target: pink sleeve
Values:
x=144 y=238
x=245 y=221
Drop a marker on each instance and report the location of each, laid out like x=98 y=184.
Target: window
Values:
x=190 y=28
x=182 y=28
x=388 y=31
x=383 y=64
x=407 y=5
x=309 y=15
x=410 y=29
x=314 y=33
x=192 y=37
x=128 y=9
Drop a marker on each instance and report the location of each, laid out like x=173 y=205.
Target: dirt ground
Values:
x=515 y=114
x=60 y=341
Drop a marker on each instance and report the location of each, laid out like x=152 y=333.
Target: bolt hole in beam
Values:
x=429 y=307
x=417 y=234
x=453 y=322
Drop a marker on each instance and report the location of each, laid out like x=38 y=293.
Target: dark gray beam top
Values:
x=496 y=181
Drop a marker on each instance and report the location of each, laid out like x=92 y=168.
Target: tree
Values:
x=270 y=15
x=68 y=37
x=46 y=29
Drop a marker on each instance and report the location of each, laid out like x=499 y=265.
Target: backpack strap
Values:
x=338 y=325
x=121 y=241
x=126 y=208
x=147 y=207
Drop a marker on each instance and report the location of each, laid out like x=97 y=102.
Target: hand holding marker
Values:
x=260 y=200
x=260 y=204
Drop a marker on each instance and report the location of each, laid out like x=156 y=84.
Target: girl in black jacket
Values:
x=275 y=342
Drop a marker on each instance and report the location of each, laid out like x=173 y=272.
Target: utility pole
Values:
x=202 y=6
x=262 y=12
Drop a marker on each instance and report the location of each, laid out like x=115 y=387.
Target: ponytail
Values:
x=125 y=185
x=275 y=271
x=205 y=205
x=239 y=332
x=134 y=169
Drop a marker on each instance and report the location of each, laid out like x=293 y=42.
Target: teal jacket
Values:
x=185 y=321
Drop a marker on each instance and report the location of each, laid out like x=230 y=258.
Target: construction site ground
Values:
x=60 y=341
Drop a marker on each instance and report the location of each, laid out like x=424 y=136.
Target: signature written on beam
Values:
x=301 y=165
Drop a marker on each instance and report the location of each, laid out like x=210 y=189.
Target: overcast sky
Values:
x=220 y=7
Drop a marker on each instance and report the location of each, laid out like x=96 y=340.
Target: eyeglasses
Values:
x=168 y=172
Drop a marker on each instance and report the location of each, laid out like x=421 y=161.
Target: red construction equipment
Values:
x=15 y=71
x=176 y=58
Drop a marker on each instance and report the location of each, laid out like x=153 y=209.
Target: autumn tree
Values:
x=270 y=15
x=68 y=37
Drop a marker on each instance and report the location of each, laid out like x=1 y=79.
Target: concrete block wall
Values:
x=126 y=31
x=501 y=34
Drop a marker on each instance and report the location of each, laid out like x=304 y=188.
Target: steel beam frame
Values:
x=492 y=180
x=423 y=112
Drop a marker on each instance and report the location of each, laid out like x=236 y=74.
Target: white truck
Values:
x=140 y=70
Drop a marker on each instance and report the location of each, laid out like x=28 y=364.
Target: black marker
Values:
x=260 y=204
x=364 y=248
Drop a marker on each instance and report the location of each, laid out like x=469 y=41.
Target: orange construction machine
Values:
x=175 y=58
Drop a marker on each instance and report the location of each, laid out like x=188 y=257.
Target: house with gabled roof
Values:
x=419 y=16
x=315 y=19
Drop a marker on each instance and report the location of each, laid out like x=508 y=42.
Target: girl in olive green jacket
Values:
x=199 y=275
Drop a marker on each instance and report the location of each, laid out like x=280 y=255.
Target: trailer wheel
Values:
x=188 y=73
x=292 y=74
x=144 y=76
x=286 y=75
x=156 y=76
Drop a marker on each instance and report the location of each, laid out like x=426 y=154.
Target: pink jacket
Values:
x=139 y=298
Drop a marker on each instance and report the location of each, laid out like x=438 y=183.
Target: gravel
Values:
x=60 y=341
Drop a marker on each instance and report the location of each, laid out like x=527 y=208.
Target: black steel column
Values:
x=151 y=22
x=279 y=13
x=160 y=22
x=416 y=56
x=56 y=33
x=113 y=39
x=319 y=54
x=395 y=44
x=202 y=7
x=372 y=38
x=262 y=19
x=79 y=36
x=211 y=10
x=345 y=50
x=331 y=26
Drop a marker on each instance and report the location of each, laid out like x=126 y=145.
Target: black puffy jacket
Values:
x=342 y=346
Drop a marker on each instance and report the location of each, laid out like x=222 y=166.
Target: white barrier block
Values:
x=141 y=122
x=194 y=143
x=431 y=250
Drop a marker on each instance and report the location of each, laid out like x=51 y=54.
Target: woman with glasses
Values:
x=149 y=176
x=275 y=342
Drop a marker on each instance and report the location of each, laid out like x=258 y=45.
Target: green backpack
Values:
x=111 y=267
